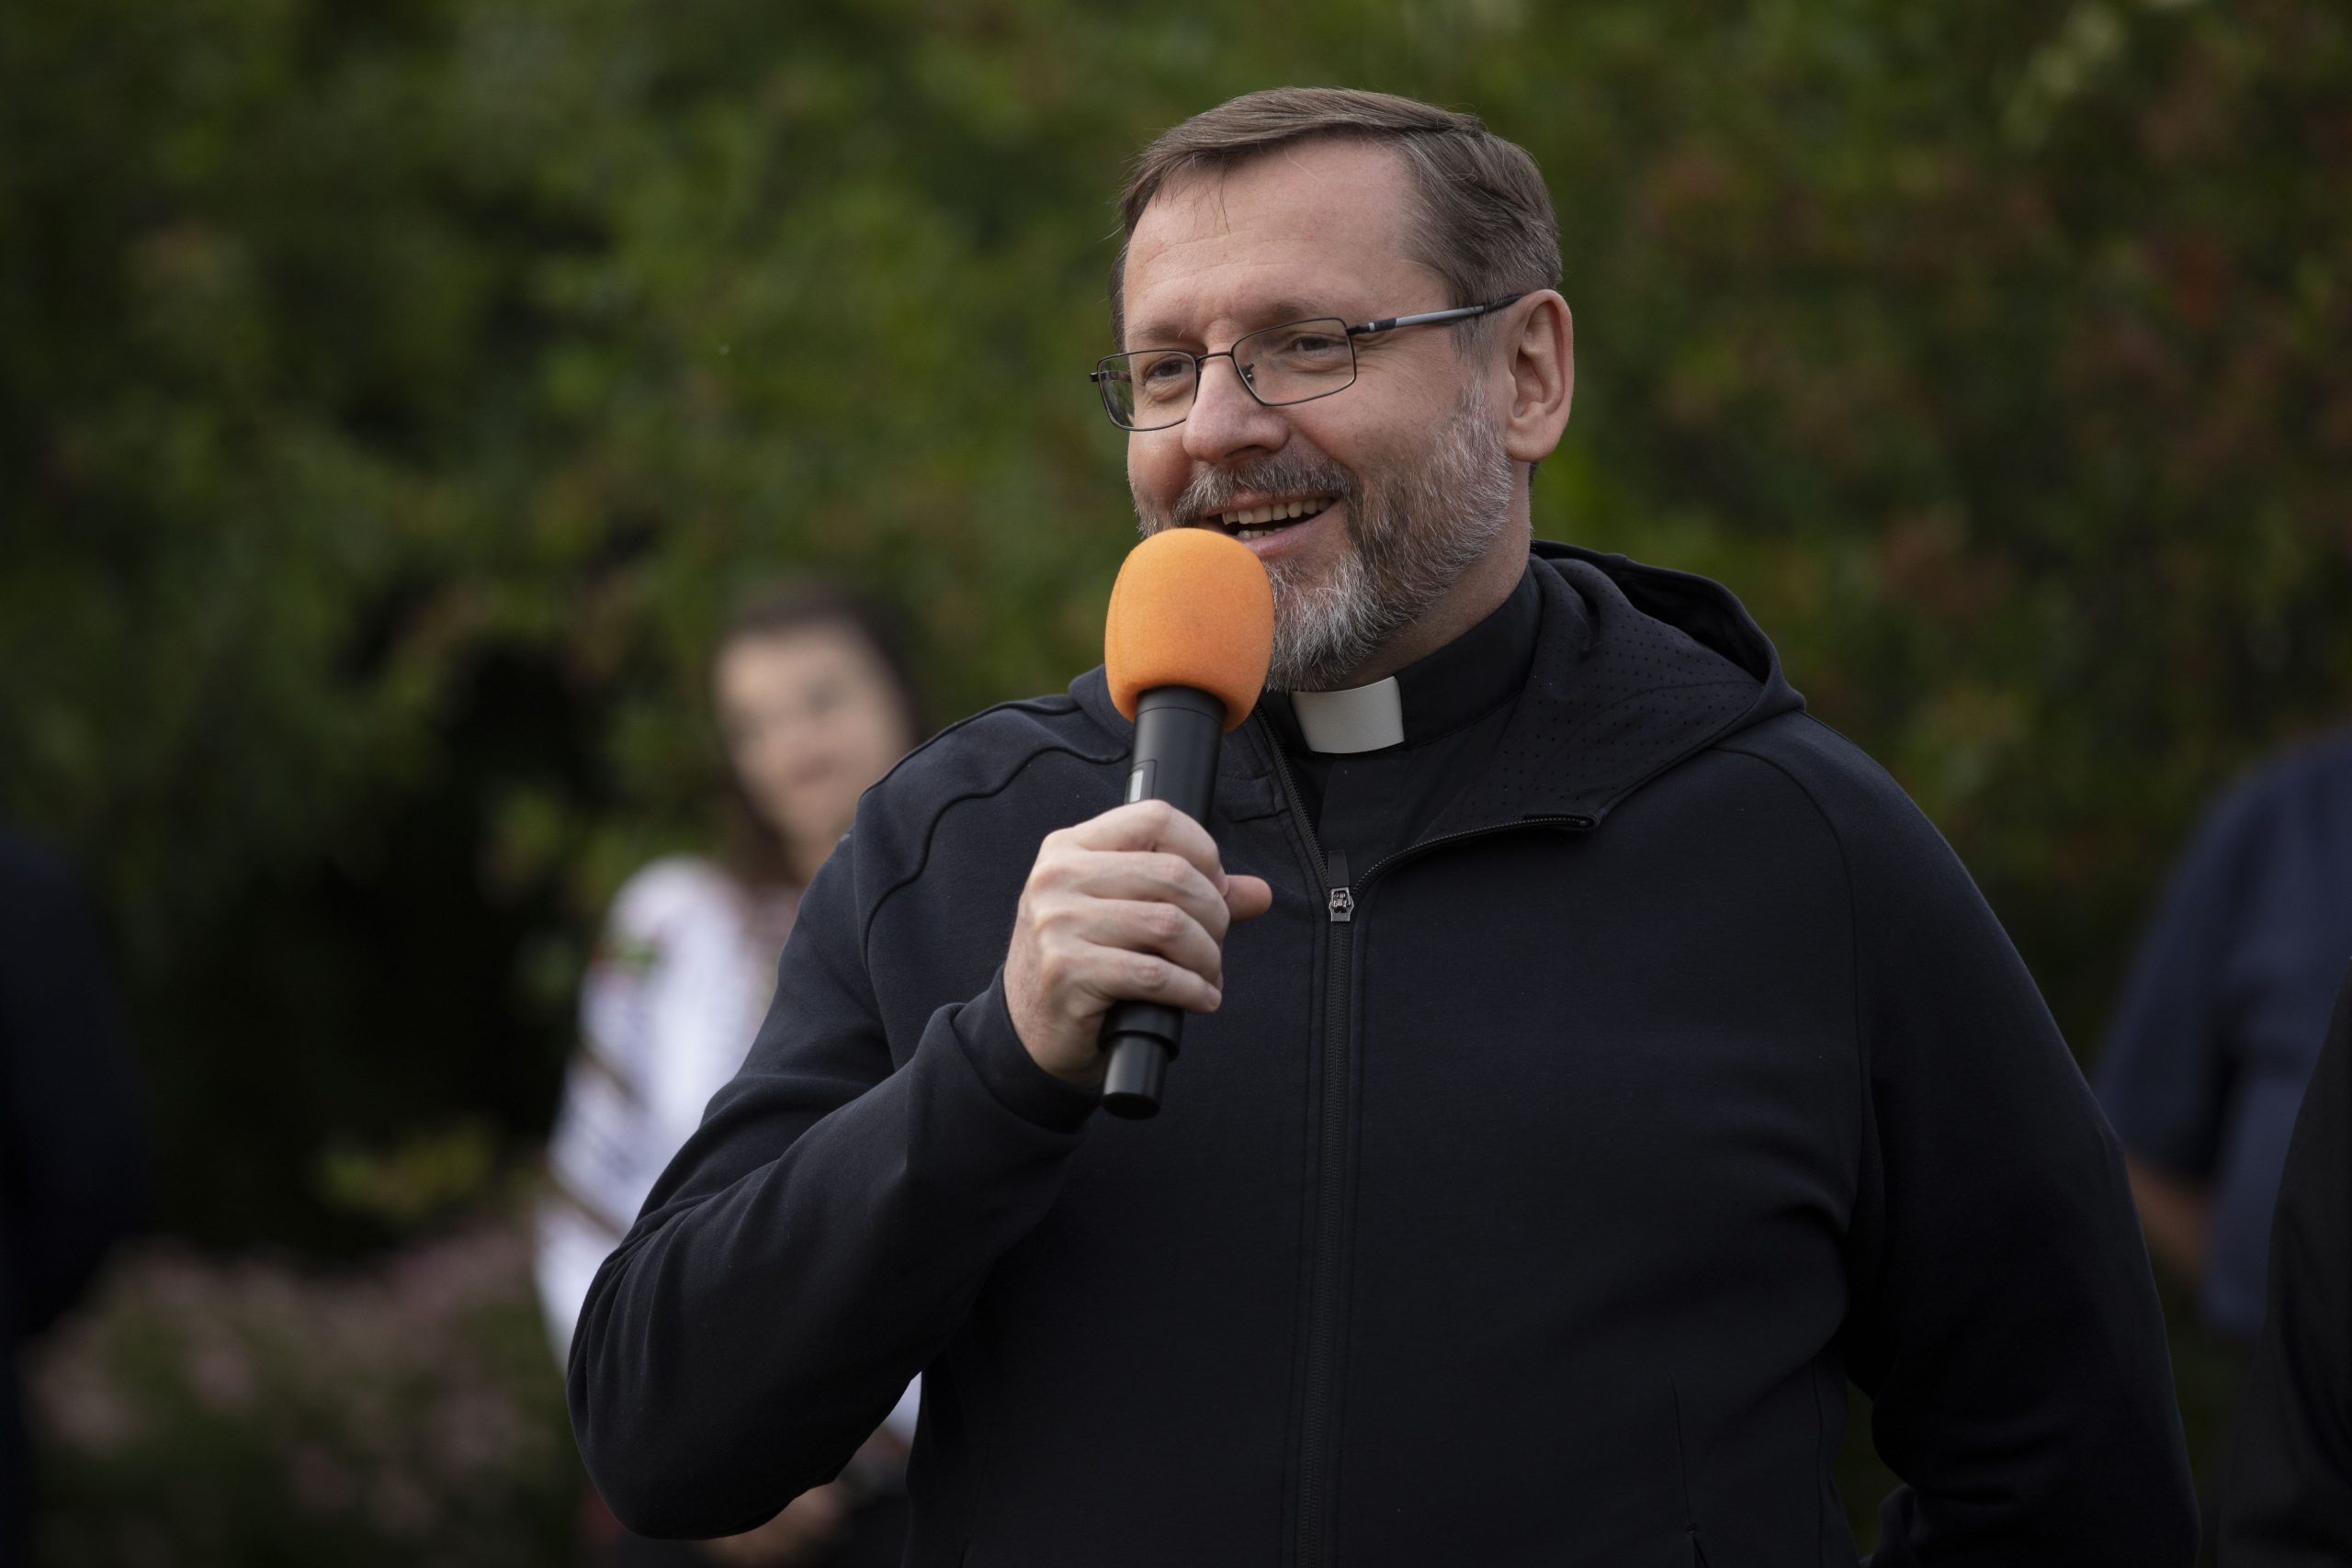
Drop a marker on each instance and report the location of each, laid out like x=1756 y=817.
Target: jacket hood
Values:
x=1636 y=668
x=1640 y=667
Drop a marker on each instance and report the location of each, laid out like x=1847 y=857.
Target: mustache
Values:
x=1215 y=489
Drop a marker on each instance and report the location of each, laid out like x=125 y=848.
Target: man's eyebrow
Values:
x=1160 y=334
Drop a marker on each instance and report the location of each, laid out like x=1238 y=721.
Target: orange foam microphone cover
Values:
x=1192 y=607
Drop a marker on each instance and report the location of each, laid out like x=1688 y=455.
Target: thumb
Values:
x=1248 y=897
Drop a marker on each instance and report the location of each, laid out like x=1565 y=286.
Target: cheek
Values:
x=1356 y=442
x=881 y=742
x=1156 y=472
x=766 y=773
x=861 y=739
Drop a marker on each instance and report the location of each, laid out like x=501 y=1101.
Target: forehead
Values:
x=762 y=662
x=1318 y=226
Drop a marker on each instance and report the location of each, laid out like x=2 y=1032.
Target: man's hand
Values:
x=1131 y=905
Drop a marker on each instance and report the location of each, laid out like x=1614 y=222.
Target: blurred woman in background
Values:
x=815 y=702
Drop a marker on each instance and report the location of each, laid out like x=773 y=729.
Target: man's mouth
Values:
x=1256 y=522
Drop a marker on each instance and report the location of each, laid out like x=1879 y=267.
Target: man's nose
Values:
x=1226 y=420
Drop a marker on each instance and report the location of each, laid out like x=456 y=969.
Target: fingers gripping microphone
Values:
x=1191 y=627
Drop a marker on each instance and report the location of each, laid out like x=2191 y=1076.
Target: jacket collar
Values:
x=1636 y=668
x=1447 y=689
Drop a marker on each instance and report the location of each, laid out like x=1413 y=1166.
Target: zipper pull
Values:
x=1343 y=902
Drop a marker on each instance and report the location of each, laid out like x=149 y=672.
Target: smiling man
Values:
x=1599 y=1062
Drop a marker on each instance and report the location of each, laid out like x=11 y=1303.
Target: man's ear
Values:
x=1539 y=343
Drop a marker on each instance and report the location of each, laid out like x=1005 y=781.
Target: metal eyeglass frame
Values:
x=1101 y=374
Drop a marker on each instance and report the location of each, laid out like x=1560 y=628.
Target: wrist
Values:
x=1000 y=1054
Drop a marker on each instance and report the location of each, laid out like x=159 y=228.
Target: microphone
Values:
x=1191 y=629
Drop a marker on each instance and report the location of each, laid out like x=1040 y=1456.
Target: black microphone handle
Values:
x=1177 y=733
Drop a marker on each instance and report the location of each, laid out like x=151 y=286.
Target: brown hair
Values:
x=751 y=849
x=1484 y=223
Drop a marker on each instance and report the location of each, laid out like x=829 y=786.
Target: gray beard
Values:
x=1413 y=529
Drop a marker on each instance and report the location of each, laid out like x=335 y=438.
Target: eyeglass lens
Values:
x=1289 y=363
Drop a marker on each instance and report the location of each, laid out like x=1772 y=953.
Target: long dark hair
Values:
x=751 y=848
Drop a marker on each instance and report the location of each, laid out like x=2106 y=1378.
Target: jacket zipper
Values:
x=1323 y=1306
x=1323 y=1295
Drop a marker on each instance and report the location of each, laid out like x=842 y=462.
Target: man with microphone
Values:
x=1592 y=1063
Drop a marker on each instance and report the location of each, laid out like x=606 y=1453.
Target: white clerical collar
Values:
x=1362 y=718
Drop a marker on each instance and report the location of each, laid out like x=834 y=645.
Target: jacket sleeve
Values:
x=816 y=1241
x=2004 y=1318
x=2286 y=1493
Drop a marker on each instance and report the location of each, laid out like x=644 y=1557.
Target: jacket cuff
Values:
x=983 y=1026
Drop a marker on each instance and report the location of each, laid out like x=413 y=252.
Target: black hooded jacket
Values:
x=1532 y=1204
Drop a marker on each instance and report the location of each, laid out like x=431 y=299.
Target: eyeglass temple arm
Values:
x=1463 y=313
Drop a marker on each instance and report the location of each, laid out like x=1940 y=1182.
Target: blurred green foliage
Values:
x=392 y=394
x=434 y=1174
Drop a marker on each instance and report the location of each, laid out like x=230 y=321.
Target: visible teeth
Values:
x=1278 y=511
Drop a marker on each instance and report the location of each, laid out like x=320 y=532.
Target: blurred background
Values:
x=393 y=397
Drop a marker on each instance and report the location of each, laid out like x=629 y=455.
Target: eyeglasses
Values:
x=1297 y=362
